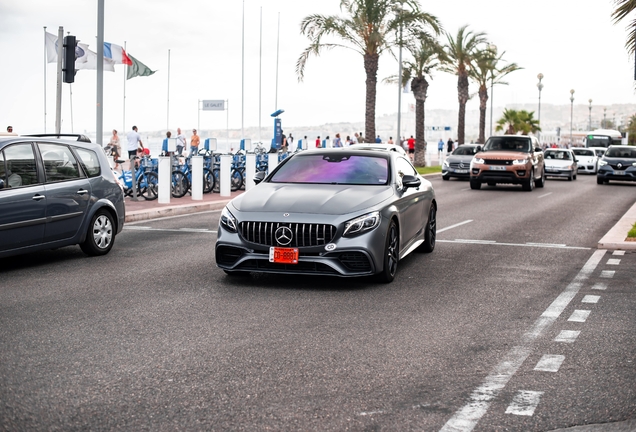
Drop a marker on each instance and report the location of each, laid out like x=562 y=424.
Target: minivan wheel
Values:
x=101 y=234
x=391 y=254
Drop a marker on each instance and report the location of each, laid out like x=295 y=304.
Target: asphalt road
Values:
x=514 y=322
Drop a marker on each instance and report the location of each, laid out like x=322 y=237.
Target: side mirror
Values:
x=1 y=184
x=576 y=160
x=259 y=176
x=409 y=181
x=538 y=149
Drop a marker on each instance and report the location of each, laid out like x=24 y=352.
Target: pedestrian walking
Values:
x=337 y=142
x=449 y=145
x=10 y=129
x=134 y=143
x=318 y=143
x=355 y=139
x=411 y=144
x=440 y=146
x=181 y=142
x=115 y=148
x=390 y=141
x=378 y=140
x=194 y=143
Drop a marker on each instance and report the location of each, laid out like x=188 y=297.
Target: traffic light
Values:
x=70 y=43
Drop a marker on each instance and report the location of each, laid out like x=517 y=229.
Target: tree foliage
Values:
x=623 y=9
x=518 y=122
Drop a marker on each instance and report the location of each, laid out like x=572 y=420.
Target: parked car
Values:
x=512 y=159
x=56 y=192
x=560 y=163
x=619 y=163
x=457 y=164
x=587 y=160
x=340 y=212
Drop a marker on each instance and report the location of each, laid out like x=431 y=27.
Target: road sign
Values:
x=213 y=105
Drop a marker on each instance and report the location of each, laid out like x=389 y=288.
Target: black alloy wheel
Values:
x=391 y=254
x=430 y=233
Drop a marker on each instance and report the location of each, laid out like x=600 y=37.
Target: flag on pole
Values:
x=116 y=53
x=84 y=57
x=51 y=48
x=137 y=68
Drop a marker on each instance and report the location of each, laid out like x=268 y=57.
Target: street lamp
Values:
x=604 y=118
x=571 y=114
x=590 y=120
x=493 y=48
x=540 y=87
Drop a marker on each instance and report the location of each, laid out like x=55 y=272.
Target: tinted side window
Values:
x=20 y=165
x=59 y=163
x=89 y=161
x=3 y=170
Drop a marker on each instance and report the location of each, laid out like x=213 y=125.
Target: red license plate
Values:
x=283 y=255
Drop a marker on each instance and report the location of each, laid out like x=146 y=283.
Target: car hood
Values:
x=311 y=198
x=502 y=155
x=585 y=158
x=625 y=162
x=459 y=158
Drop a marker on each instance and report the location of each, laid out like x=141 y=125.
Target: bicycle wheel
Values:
x=208 y=181
x=180 y=184
x=148 y=186
x=216 y=175
x=236 y=180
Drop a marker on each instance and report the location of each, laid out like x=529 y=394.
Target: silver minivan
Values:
x=57 y=192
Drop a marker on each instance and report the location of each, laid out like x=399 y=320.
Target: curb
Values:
x=615 y=237
x=140 y=215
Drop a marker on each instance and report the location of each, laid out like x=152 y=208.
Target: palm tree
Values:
x=370 y=28
x=521 y=121
x=484 y=70
x=460 y=51
x=426 y=52
x=624 y=8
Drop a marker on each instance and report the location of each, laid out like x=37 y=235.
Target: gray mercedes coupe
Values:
x=341 y=212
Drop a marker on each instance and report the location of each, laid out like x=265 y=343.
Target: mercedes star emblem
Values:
x=283 y=235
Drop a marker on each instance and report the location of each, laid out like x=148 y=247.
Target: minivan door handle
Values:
x=82 y=192
x=38 y=197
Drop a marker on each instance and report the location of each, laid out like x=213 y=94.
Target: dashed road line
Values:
x=454 y=226
x=579 y=315
x=172 y=217
x=495 y=243
x=544 y=195
x=550 y=363
x=567 y=336
x=607 y=274
x=590 y=299
x=181 y=230
x=524 y=403
x=613 y=261
x=467 y=417
x=618 y=253
x=600 y=286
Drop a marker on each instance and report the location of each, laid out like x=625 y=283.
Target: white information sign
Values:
x=213 y=105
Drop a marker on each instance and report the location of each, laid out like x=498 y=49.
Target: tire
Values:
x=475 y=185
x=179 y=185
x=541 y=182
x=430 y=233
x=599 y=180
x=570 y=177
x=216 y=175
x=148 y=186
x=528 y=186
x=391 y=254
x=100 y=236
x=445 y=177
x=236 y=180
x=208 y=181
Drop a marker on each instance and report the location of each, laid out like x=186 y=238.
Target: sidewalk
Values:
x=615 y=238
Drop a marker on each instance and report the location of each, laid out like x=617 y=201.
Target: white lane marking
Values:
x=524 y=403
x=454 y=226
x=545 y=195
x=590 y=299
x=613 y=261
x=567 y=336
x=618 y=253
x=371 y=413
x=172 y=217
x=181 y=230
x=549 y=363
x=495 y=243
x=467 y=417
x=579 y=315
x=600 y=286
x=607 y=274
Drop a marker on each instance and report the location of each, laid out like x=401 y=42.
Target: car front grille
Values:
x=303 y=234
x=497 y=162
x=460 y=165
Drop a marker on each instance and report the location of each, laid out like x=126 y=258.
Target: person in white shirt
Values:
x=181 y=142
x=134 y=142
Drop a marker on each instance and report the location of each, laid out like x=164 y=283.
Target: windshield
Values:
x=465 y=151
x=557 y=154
x=511 y=143
x=583 y=152
x=621 y=152
x=334 y=168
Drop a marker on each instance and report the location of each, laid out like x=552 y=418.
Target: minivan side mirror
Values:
x=259 y=176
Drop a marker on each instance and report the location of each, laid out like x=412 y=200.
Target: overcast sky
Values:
x=572 y=42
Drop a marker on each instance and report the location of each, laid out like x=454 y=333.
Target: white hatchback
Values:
x=586 y=159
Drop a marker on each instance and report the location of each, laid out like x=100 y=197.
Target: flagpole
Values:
x=243 y=75
x=45 y=79
x=277 y=50
x=100 y=72
x=58 y=92
x=260 y=70
x=168 y=113
x=123 y=130
x=70 y=91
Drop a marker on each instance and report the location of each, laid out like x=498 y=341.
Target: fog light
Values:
x=521 y=173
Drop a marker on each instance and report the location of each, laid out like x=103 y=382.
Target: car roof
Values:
x=6 y=140
x=378 y=146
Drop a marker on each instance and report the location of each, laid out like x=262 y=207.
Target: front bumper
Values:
x=588 y=168
x=456 y=172
x=608 y=173
x=558 y=172
x=513 y=174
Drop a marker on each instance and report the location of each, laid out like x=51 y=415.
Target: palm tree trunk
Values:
x=462 y=95
x=419 y=86
x=483 y=104
x=371 y=68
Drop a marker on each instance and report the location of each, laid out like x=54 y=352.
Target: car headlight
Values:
x=568 y=167
x=228 y=221
x=445 y=164
x=477 y=160
x=634 y=164
x=602 y=163
x=520 y=161
x=362 y=224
